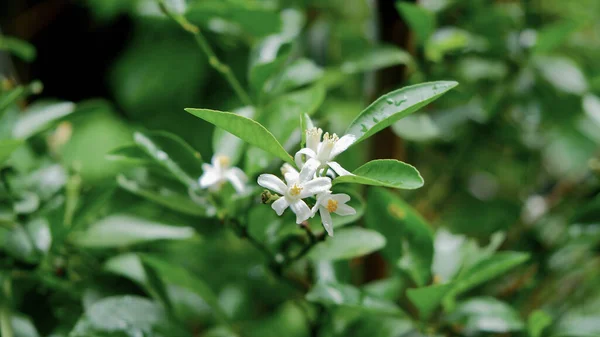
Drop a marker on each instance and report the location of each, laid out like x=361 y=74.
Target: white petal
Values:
x=305 y=151
x=291 y=177
x=341 y=145
x=207 y=167
x=237 y=178
x=273 y=183
x=341 y=198
x=326 y=220
x=315 y=186
x=339 y=169
x=301 y=209
x=215 y=161
x=280 y=205
x=285 y=168
x=209 y=178
x=343 y=210
x=309 y=169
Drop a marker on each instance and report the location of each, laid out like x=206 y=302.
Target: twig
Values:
x=213 y=60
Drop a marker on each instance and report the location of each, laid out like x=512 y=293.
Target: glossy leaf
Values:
x=408 y=234
x=347 y=244
x=446 y=40
x=177 y=275
x=391 y=107
x=487 y=269
x=420 y=20
x=300 y=72
x=487 y=314
x=120 y=230
x=246 y=129
x=40 y=116
x=130 y=154
x=224 y=143
x=562 y=73
x=22 y=49
x=384 y=172
x=375 y=58
x=173 y=153
x=427 y=299
x=7 y=147
x=126 y=316
x=537 y=322
x=552 y=36
x=168 y=196
x=337 y=294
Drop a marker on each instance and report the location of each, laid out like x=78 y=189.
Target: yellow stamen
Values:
x=295 y=190
x=332 y=205
x=223 y=160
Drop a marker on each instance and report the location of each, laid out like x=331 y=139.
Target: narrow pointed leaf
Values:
x=7 y=147
x=121 y=230
x=40 y=116
x=487 y=269
x=173 y=153
x=345 y=295
x=385 y=172
x=244 y=128
x=391 y=107
x=420 y=20
x=347 y=244
x=177 y=275
x=427 y=299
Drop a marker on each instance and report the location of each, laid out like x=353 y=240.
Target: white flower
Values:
x=326 y=151
x=297 y=186
x=219 y=172
x=328 y=203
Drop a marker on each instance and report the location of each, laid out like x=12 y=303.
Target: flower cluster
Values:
x=215 y=175
x=313 y=180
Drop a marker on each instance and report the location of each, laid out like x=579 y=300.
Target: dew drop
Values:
x=363 y=128
x=389 y=101
x=375 y=120
x=398 y=103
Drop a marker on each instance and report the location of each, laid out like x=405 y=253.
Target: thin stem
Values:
x=5 y=315
x=213 y=60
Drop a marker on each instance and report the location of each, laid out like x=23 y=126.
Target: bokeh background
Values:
x=510 y=157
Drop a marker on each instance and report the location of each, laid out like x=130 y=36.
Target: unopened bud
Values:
x=267 y=197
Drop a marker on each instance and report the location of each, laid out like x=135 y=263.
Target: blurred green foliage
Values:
x=106 y=232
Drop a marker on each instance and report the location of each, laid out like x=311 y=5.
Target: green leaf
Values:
x=347 y=244
x=562 y=73
x=126 y=316
x=537 y=322
x=486 y=314
x=224 y=143
x=128 y=265
x=40 y=116
x=552 y=36
x=238 y=18
x=23 y=49
x=410 y=236
x=427 y=299
x=131 y=155
x=300 y=72
x=169 y=196
x=446 y=40
x=487 y=269
x=391 y=107
x=173 y=274
x=384 y=172
x=18 y=244
x=420 y=20
x=173 y=153
x=246 y=129
x=375 y=58
x=7 y=147
x=23 y=326
x=337 y=294
x=120 y=230
x=267 y=61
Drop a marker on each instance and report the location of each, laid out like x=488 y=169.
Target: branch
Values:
x=213 y=60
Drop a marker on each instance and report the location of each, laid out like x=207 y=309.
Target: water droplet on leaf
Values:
x=389 y=101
